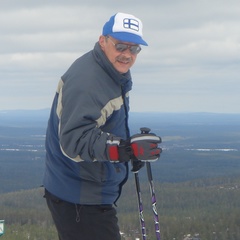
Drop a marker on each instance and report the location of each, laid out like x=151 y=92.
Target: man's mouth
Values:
x=124 y=60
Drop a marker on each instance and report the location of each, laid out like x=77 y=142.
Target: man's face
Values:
x=122 y=61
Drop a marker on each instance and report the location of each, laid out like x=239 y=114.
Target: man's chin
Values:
x=122 y=67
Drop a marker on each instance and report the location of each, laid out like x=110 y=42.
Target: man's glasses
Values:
x=121 y=47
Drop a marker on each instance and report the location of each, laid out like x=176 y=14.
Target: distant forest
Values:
x=208 y=208
x=197 y=179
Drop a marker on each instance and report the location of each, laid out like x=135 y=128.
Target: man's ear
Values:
x=102 y=42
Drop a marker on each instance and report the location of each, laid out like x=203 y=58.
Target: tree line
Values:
x=208 y=207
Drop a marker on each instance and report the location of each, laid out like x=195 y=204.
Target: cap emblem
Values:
x=132 y=24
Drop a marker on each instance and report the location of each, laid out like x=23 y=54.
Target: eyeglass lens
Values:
x=121 y=47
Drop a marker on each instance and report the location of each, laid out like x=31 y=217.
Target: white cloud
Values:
x=191 y=64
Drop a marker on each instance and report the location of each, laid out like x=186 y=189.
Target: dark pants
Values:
x=83 y=222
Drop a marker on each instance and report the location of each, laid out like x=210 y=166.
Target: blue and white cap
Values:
x=124 y=27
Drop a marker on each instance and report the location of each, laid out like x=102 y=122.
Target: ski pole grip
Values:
x=145 y=130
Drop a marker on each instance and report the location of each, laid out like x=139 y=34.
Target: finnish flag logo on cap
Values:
x=132 y=24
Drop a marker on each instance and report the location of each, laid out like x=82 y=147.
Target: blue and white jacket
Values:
x=90 y=107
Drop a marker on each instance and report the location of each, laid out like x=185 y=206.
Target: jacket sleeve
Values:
x=79 y=109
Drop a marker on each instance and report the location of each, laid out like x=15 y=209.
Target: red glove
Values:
x=145 y=146
x=119 y=150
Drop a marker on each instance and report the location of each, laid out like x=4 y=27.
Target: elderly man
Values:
x=88 y=143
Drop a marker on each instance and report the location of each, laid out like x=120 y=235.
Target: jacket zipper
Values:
x=128 y=135
x=126 y=113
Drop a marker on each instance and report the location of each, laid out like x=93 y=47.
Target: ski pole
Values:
x=152 y=191
x=140 y=205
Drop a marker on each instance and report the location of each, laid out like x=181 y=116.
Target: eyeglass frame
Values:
x=126 y=46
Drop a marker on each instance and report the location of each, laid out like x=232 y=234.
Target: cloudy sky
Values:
x=192 y=63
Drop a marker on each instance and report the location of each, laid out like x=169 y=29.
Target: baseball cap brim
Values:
x=128 y=37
